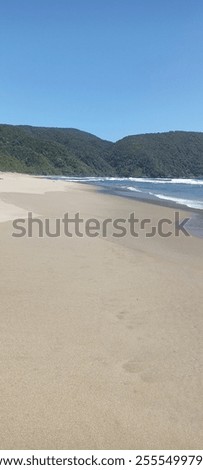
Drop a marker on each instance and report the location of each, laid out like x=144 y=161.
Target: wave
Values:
x=168 y=181
x=186 y=181
x=131 y=188
x=190 y=181
x=186 y=202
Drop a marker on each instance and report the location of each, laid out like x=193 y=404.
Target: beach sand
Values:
x=101 y=338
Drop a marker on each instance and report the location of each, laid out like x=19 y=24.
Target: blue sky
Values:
x=110 y=67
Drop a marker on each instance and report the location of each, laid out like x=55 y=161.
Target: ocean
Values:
x=174 y=191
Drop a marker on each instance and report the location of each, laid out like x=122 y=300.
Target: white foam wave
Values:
x=186 y=181
x=186 y=202
x=191 y=181
x=131 y=188
x=168 y=181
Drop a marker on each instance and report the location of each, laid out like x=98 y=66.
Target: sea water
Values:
x=181 y=191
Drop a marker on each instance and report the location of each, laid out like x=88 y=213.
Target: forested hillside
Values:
x=165 y=154
x=40 y=150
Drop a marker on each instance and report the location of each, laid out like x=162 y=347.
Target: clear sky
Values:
x=110 y=67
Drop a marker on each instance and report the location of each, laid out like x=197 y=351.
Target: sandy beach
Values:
x=101 y=338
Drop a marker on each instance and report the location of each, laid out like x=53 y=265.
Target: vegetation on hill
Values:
x=50 y=151
x=167 y=154
x=53 y=151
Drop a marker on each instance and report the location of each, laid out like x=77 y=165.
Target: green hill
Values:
x=46 y=151
x=175 y=154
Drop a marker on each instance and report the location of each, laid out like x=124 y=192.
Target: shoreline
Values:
x=160 y=202
x=127 y=193
x=195 y=225
x=130 y=195
x=102 y=189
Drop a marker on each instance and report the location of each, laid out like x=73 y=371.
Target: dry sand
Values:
x=101 y=338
